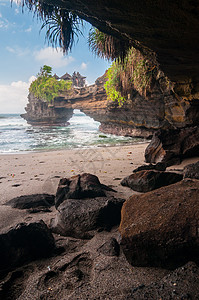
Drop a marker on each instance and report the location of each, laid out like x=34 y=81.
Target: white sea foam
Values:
x=83 y=132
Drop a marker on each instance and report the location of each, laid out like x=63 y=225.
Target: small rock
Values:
x=110 y=248
x=158 y=167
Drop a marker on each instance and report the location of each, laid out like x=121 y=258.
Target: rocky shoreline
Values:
x=67 y=244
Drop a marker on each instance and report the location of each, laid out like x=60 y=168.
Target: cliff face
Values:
x=39 y=112
x=140 y=115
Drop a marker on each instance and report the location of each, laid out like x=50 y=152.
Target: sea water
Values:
x=16 y=135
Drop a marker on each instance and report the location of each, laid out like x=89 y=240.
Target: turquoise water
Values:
x=83 y=132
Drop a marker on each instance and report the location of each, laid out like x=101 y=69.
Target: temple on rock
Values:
x=77 y=79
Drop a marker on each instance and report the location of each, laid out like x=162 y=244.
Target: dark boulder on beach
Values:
x=81 y=218
x=79 y=187
x=160 y=228
x=24 y=243
x=148 y=180
x=32 y=201
x=173 y=145
x=158 y=167
x=191 y=171
x=181 y=284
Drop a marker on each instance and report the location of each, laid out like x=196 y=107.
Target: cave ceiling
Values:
x=170 y=28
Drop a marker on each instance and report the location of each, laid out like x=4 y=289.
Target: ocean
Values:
x=83 y=132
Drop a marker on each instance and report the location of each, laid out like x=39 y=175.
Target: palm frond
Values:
x=107 y=46
x=67 y=22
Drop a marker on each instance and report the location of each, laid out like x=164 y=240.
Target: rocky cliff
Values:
x=40 y=112
x=141 y=115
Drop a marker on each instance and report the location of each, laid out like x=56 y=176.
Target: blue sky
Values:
x=23 y=51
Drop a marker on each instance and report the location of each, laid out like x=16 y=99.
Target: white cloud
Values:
x=53 y=57
x=13 y=97
x=18 y=51
x=83 y=66
x=18 y=2
x=3 y=22
x=28 y=29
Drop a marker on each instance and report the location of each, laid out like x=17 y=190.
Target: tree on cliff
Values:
x=46 y=87
x=45 y=71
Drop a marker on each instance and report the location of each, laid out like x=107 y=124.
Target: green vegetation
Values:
x=112 y=85
x=46 y=87
x=106 y=46
x=63 y=26
x=134 y=72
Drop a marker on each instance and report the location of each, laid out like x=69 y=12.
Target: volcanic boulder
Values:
x=160 y=228
x=80 y=218
x=32 y=201
x=145 y=181
x=79 y=187
x=24 y=243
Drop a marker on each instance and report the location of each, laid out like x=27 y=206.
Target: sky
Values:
x=23 y=51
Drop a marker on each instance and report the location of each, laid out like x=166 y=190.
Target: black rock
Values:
x=148 y=180
x=79 y=187
x=25 y=243
x=32 y=201
x=77 y=218
x=158 y=167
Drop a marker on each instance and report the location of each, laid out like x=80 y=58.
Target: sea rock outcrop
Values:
x=148 y=180
x=39 y=112
x=171 y=146
x=160 y=228
x=24 y=243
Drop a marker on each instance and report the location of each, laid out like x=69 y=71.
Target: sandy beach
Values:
x=40 y=172
x=104 y=277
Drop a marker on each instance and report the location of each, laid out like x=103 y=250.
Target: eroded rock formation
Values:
x=140 y=115
x=40 y=112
